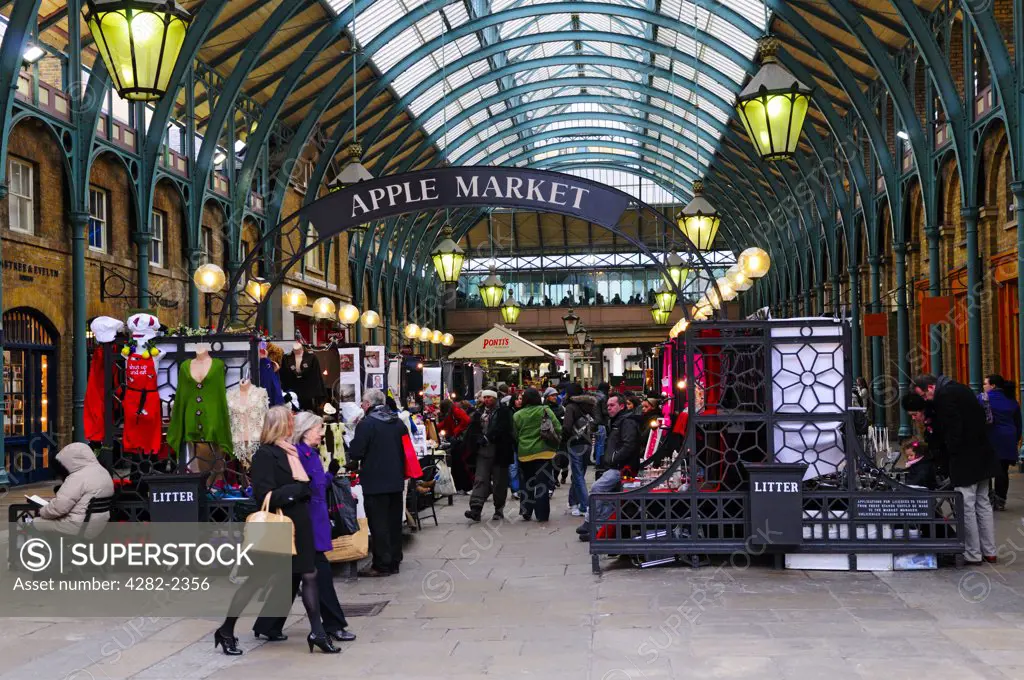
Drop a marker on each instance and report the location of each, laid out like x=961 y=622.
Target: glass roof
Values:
x=647 y=104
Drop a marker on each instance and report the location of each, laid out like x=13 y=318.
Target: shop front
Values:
x=31 y=380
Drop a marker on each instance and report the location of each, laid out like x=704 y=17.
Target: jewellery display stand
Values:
x=768 y=392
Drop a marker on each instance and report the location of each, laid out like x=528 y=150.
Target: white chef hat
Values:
x=105 y=328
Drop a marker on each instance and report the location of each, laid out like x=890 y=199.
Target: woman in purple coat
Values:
x=309 y=430
x=1004 y=431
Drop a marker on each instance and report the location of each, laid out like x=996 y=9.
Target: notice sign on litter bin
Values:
x=775 y=510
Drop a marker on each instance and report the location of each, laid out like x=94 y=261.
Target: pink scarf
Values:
x=298 y=472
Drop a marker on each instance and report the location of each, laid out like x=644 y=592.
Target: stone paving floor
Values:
x=518 y=600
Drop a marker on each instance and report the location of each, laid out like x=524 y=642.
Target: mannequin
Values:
x=200 y=412
x=247 y=408
x=104 y=329
x=300 y=373
x=142 y=410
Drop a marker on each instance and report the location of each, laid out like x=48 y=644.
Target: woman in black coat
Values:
x=276 y=470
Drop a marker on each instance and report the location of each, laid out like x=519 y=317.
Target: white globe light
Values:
x=349 y=314
x=370 y=319
x=412 y=331
x=755 y=262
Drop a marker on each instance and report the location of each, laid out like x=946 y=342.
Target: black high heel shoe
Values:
x=229 y=643
x=323 y=643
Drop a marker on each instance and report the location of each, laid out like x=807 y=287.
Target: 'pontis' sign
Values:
x=464 y=187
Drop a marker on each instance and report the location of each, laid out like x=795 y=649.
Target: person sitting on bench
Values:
x=86 y=479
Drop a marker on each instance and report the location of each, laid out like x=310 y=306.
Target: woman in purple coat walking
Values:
x=1004 y=431
x=309 y=430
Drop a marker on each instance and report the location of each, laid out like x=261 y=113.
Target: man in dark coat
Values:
x=490 y=440
x=621 y=457
x=959 y=425
x=378 y=451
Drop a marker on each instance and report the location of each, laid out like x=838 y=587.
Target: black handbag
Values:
x=341 y=508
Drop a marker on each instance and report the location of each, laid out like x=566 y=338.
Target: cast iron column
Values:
x=194 y=296
x=877 y=364
x=1018 y=195
x=902 y=333
x=974 y=288
x=143 y=240
x=934 y=290
x=80 y=366
x=855 y=334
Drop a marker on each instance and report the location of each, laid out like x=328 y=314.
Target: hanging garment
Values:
x=270 y=381
x=247 y=412
x=142 y=416
x=306 y=381
x=332 y=447
x=200 y=412
x=96 y=397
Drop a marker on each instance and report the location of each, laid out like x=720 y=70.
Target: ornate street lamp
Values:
x=209 y=278
x=581 y=335
x=492 y=290
x=773 y=106
x=678 y=272
x=754 y=262
x=349 y=314
x=738 y=278
x=571 y=321
x=294 y=300
x=370 y=319
x=665 y=298
x=660 y=317
x=588 y=345
x=699 y=219
x=139 y=41
x=510 y=310
x=448 y=258
x=257 y=288
x=323 y=308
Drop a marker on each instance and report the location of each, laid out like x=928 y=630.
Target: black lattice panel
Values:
x=818 y=444
x=723 y=447
x=731 y=377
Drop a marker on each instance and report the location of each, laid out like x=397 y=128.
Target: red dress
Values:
x=95 y=398
x=142 y=417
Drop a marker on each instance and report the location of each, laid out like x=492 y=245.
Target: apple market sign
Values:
x=466 y=187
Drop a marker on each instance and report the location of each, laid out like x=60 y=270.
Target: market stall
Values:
x=771 y=463
x=502 y=343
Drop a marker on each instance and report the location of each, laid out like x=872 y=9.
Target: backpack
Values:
x=583 y=429
x=547 y=429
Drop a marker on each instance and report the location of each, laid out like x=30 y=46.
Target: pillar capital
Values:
x=142 y=238
x=874 y=261
x=970 y=214
x=1018 y=191
x=4 y=189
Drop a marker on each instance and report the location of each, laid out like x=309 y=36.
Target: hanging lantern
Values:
x=773 y=106
x=571 y=321
x=588 y=345
x=665 y=298
x=581 y=335
x=370 y=319
x=738 y=278
x=353 y=172
x=492 y=290
x=755 y=262
x=448 y=258
x=258 y=288
x=510 y=310
x=436 y=337
x=323 y=308
x=660 y=317
x=412 y=331
x=139 y=41
x=699 y=220
x=678 y=272
x=448 y=340
x=426 y=334
x=209 y=278
x=349 y=314
x=294 y=300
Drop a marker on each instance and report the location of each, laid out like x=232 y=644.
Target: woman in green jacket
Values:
x=536 y=455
